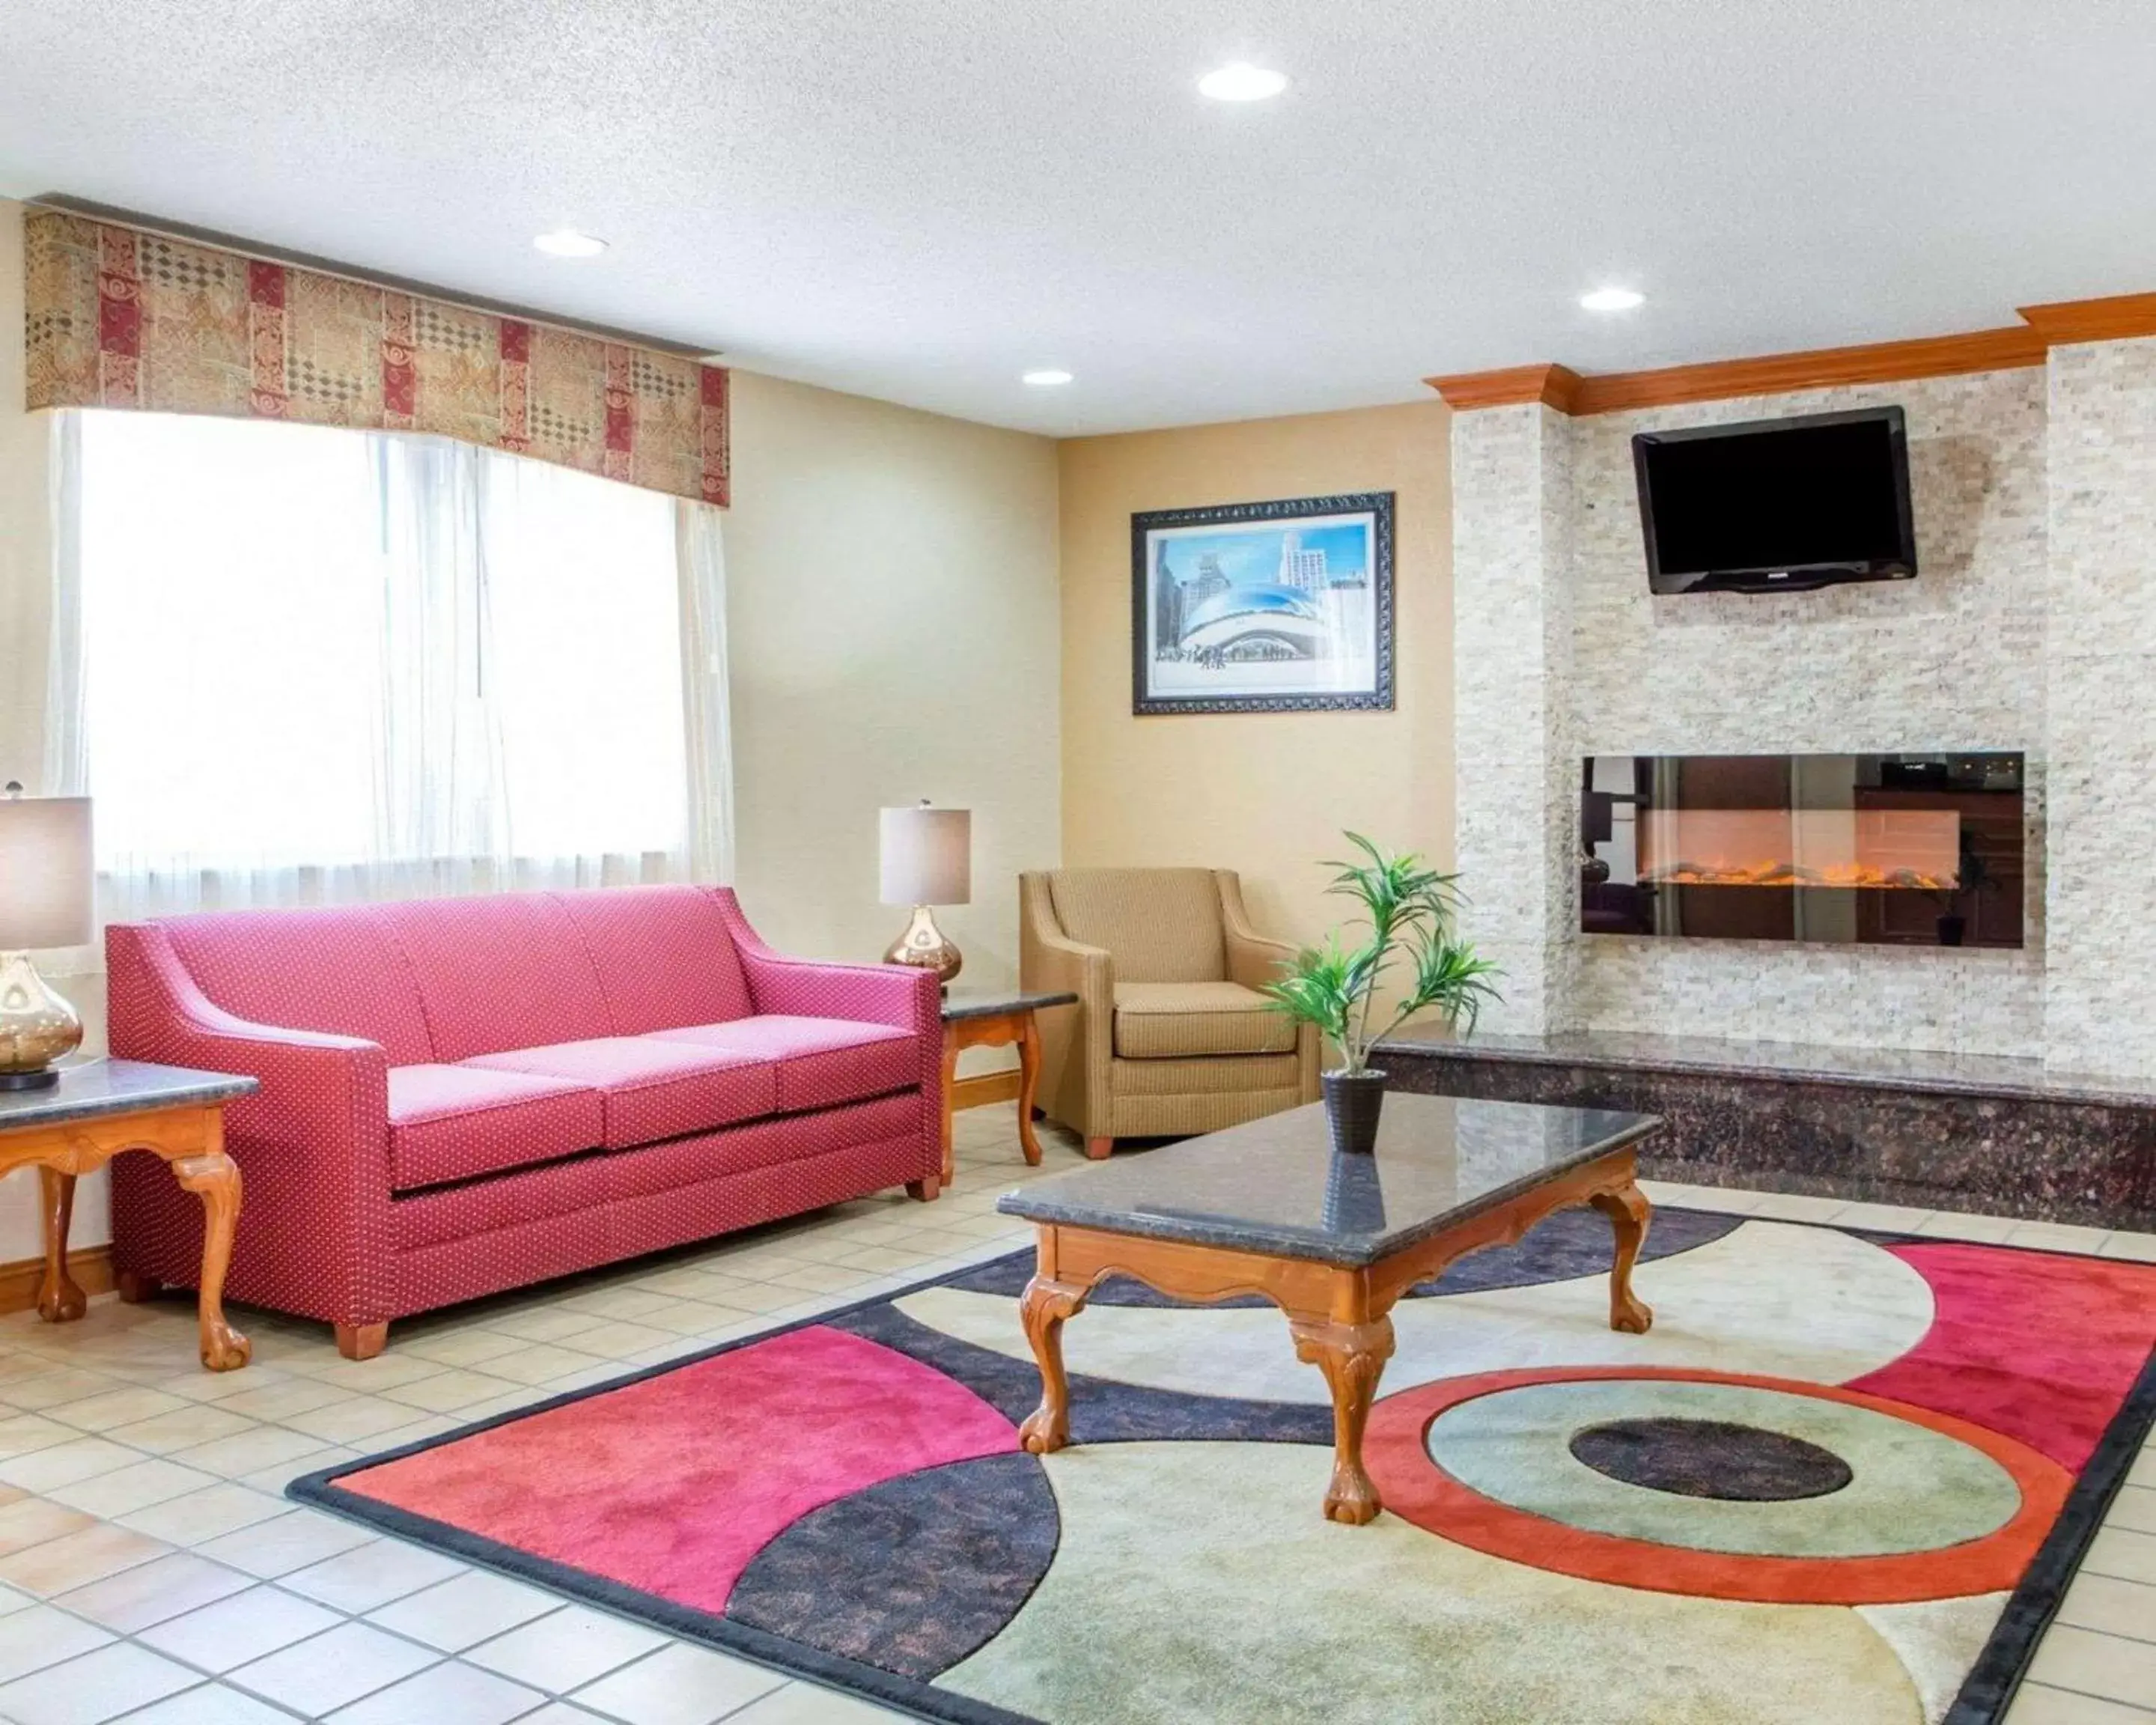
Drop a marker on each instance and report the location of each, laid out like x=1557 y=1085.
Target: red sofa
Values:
x=461 y=1096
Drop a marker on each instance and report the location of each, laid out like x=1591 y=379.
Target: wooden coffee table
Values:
x=1332 y=1240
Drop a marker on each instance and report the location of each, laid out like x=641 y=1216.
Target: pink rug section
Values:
x=672 y=1485
x=2039 y=1346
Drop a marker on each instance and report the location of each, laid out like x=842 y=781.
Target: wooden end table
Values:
x=1270 y=1209
x=96 y=1111
x=995 y=1018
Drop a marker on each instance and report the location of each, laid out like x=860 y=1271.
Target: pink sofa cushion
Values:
x=500 y=972
x=338 y=971
x=653 y=1090
x=452 y=1122
x=820 y=1061
x=665 y=955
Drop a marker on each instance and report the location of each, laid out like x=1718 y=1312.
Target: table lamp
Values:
x=44 y=901
x=927 y=860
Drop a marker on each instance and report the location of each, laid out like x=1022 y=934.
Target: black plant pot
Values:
x=1353 y=1102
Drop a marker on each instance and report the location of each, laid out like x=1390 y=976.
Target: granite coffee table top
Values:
x=1277 y=1186
x=100 y=1087
x=997 y=1002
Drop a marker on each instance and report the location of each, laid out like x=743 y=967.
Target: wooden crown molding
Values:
x=2122 y=317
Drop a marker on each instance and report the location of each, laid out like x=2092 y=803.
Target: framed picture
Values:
x=1270 y=608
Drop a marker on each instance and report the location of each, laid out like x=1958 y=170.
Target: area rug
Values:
x=1846 y=1477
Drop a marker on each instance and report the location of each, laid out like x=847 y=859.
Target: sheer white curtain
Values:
x=300 y=664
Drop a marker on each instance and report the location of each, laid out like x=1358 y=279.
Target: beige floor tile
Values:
x=80 y=1458
x=2143 y=1471
x=356 y=1421
x=127 y=1489
x=241 y=1627
x=2057 y=1237
x=271 y=1481
x=316 y=1677
x=456 y=1347
x=2038 y=1704
x=464 y=1610
x=2141 y=1248
x=1886 y=1218
x=103 y=1685
x=32 y=1521
x=279 y=1401
x=808 y=1704
x=560 y=1713
x=542 y=1363
x=201 y=1386
x=289 y=1541
x=185 y=1427
x=152 y=1592
x=2092 y=1663
x=2134 y=1507
x=567 y=1649
x=442 y=1693
x=24 y=1433
x=117 y=1407
x=41 y=1635
x=547 y=1325
x=77 y=1559
x=2118 y=1607
x=448 y=1391
x=222 y=1509
x=370 y=1377
x=214 y=1704
x=2122 y=1552
x=55 y=1388
x=1952 y=1224
x=248 y=1451
x=678 y=1685
x=370 y=1576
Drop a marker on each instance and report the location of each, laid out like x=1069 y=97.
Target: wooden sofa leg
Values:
x=134 y=1287
x=924 y=1190
x=361 y=1341
x=1097 y=1149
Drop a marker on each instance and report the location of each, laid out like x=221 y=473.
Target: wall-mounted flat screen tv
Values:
x=1777 y=505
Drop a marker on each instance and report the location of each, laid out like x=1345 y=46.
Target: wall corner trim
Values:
x=2119 y=317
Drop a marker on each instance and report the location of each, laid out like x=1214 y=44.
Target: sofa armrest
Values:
x=901 y=995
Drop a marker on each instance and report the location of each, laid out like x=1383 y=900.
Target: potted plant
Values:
x=1409 y=909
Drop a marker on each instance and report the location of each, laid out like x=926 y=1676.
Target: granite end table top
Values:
x=1277 y=1186
x=100 y=1087
x=997 y=1002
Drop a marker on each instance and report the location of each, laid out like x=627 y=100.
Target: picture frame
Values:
x=1278 y=606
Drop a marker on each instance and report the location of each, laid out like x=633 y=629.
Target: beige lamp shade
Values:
x=927 y=856
x=45 y=872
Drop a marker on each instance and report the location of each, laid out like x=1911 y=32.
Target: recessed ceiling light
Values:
x=1239 y=81
x=1612 y=299
x=1047 y=378
x=567 y=243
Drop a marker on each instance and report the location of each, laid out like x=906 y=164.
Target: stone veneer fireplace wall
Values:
x=2029 y=627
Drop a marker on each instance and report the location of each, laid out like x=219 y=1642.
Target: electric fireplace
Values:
x=1900 y=850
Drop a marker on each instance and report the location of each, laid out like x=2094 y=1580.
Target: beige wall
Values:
x=1266 y=793
x=891 y=613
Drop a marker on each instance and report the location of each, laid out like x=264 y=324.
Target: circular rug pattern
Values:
x=1933 y=1506
x=1710 y=1458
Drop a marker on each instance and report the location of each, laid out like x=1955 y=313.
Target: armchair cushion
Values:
x=1161 y=925
x=652 y=1090
x=451 y=1122
x=819 y=1061
x=1173 y=1020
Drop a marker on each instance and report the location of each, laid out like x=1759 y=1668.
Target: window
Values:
x=317 y=663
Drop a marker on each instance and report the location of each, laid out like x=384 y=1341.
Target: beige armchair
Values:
x=1169 y=1036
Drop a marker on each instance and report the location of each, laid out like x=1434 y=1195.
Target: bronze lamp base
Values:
x=924 y=944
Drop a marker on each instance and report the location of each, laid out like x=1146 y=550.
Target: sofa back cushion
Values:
x=1160 y=925
x=664 y=954
x=339 y=971
x=509 y=970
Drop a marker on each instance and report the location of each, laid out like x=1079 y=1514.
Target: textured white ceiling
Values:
x=918 y=200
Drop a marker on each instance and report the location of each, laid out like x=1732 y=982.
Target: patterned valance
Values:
x=120 y=318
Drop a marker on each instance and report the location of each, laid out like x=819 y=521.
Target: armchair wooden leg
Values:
x=134 y=1287
x=924 y=1191
x=1097 y=1149
x=361 y=1341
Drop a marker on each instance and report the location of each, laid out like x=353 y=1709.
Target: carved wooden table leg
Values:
x=1043 y=1308
x=1028 y=1083
x=950 y=1102
x=1352 y=1357
x=1629 y=1213
x=214 y=1178
x=58 y=1299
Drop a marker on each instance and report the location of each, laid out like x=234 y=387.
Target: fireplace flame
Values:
x=1783 y=873
x=1870 y=849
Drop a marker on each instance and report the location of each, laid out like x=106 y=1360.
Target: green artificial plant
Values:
x=1410 y=909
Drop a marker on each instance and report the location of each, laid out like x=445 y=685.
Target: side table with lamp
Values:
x=67 y=1121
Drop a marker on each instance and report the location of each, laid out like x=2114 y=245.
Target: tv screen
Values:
x=1777 y=505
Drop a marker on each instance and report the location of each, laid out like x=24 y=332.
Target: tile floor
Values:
x=151 y=1572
